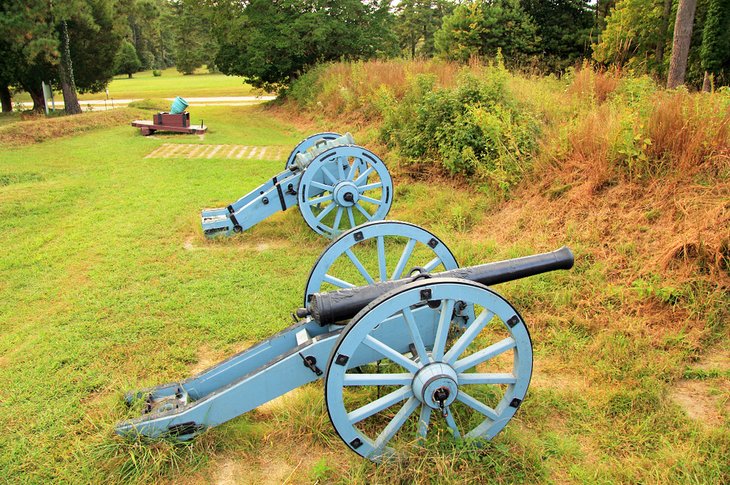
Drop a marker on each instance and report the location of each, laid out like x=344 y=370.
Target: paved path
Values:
x=101 y=104
x=181 y=150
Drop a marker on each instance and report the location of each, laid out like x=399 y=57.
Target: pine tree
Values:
x=715 y=51
x=126 y=61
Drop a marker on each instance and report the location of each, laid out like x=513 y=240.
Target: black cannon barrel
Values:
x=337 y=306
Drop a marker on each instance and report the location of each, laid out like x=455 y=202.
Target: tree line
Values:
x=79 y=45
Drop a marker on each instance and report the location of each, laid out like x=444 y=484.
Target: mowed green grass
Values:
x=172 y=83
x=108 y=285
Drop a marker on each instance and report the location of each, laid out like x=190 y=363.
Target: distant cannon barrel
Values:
x=341 y=305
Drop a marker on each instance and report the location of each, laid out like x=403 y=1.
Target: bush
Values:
x=477 y=129
x=156 y=72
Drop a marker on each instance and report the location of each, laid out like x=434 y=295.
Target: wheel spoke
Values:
x=353 y=168
x=364 y=212
x=338 y=218
x=397 y=422
x=391 y=353
x=485 y=354
x=468 y=337
x=328 y=174
x=442 y=332
x=379 y=404
x=325 y=211
x=404 y=257
x=319 y=200
x=452 y=424
x=432 y=264
x=477 y=405
x=402 y=379
x=366 y=187
x=359 y=266
x=337 y=282
x=423 y=420
x=415 y=335
x=314 y=183
x=371 y=200
x=381 y=259
x=490 y=378
x=363 y=176
x=351 y=216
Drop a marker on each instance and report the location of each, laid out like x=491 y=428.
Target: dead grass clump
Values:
x=358 y=90
x=580 y=153
x=41 y=129
x=594 y=84
x=689 y=131
x=703 y=243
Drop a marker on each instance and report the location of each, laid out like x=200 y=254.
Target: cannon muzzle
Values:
x=341 y=305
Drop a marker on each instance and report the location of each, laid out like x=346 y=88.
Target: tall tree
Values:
x=632 y=32
x=482 y=27
x=663 y=28
x=564 y=28
x=271 y=43
x=47 y=35
x=417 y=22
x=681 y=42
x=66 y=74
x=126 y=60
x=195 y=45
x=8 y=76
x=715 y=51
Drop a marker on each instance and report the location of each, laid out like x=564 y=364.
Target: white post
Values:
x=44 y=88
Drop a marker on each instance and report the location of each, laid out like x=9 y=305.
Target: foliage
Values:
x=93 y=47
x=634 y=39
x=715 y=51
x=126 y=59
x=481 y=28
x=149 y=25
x=631 y=34
x=416 y=23
x=564 y=28
x=477 y=129
x=194 y=44
x=33 y=31
x=272 y=43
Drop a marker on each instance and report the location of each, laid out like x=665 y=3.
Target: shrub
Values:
x=477 y=129
x=156 y=73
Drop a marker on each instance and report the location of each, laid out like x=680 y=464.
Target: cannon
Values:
x=425 y=353
x=336 y=184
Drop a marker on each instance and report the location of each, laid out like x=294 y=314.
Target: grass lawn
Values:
x=108 y=285
x=170 y=84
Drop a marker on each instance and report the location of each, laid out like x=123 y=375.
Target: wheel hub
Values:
x=436 y=385
x=346 y=194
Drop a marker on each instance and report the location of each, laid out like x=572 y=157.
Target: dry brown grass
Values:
x=352 y=90
x=594 y=84
x=689 y=131
x=39 y=129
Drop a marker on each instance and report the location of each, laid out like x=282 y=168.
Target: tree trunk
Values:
x=680 y=44
x=707 y=82
x=663 y=26
x=66 y=74
x=130 y=75
x=5 y=98
x=36 y=94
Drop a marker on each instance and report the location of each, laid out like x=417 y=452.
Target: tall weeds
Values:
x=484 y=124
